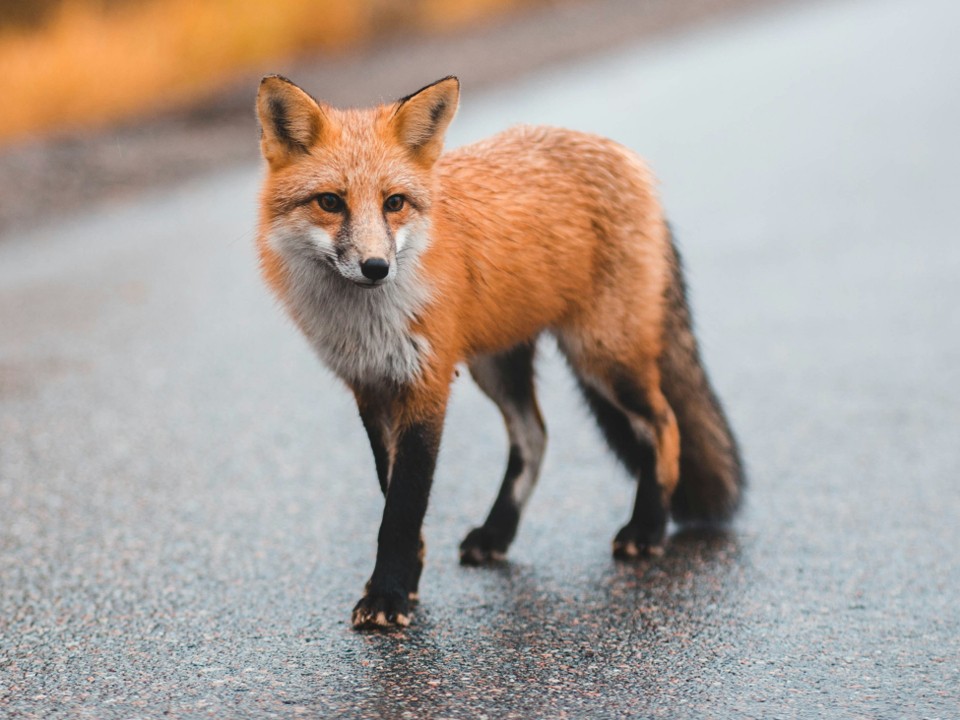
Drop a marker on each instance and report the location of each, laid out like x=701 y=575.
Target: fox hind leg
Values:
x=640 y=428
x=507 y=378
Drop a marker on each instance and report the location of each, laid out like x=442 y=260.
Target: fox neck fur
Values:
x=364 y=335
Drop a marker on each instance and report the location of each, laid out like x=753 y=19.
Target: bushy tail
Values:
x=711 y=474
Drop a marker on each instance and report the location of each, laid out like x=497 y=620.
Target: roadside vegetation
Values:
x=74 y=63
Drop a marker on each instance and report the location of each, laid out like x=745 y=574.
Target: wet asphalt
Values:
x=188 y=506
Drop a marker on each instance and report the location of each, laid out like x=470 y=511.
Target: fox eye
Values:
x=394 y=203
x=330 y=202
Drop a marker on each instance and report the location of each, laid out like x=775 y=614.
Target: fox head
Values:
x=351 y=189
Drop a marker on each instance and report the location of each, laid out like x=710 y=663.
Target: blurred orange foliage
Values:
x=90 y=62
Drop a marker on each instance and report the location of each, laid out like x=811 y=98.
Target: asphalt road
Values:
x=188 y=507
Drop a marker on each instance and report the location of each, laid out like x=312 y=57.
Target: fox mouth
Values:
x=330 y=263
x=324 y=260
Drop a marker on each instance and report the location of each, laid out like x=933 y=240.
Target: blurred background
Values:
x=86 y=62
x=108 y=97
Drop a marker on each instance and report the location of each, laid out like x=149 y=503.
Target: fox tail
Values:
x=711 y=472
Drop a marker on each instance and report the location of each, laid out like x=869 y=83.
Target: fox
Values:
x=400 y=262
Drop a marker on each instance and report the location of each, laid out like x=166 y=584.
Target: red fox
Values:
x=398 y=263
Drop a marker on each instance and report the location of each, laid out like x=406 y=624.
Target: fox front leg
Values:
x=386 y=602
x=378 y=422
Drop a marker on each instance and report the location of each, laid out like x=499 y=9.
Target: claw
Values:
x=379 y=612
x=630 y=550
x=480 y=547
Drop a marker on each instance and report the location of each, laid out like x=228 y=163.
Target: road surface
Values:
x=188 y=507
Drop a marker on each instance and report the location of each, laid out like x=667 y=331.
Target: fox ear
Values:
x=290 y=120
x=421 y=119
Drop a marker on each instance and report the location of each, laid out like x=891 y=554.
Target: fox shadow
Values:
x=525 y=621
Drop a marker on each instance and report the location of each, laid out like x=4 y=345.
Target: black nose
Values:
x=375 y=268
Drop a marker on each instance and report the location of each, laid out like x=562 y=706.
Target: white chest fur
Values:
x=363 y=335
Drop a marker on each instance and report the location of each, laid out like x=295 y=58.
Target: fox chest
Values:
x=363 y=336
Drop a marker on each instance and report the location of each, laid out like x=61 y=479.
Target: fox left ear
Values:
x=290 y=120
x=421 y=119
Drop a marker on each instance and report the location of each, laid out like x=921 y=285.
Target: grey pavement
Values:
x=188 y=506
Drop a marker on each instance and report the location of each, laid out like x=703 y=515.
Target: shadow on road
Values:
x=536 y=630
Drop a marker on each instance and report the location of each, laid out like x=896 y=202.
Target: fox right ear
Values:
x=290 y=120
x=420 y=120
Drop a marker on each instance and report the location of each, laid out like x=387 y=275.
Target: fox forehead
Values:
x=358 y=157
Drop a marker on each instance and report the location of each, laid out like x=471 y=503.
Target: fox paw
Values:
x=481 y=546
x=381 y=611
x=632 y=543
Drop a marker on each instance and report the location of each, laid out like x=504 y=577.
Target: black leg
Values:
x=491 y=540
x=397 y=570
x=507 y=378
x=376 y=423
x=645 y=532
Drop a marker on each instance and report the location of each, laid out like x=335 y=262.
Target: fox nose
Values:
x=375 y=268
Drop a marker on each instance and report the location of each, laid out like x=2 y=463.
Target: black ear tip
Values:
x=275 y=77
x=441 y=81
